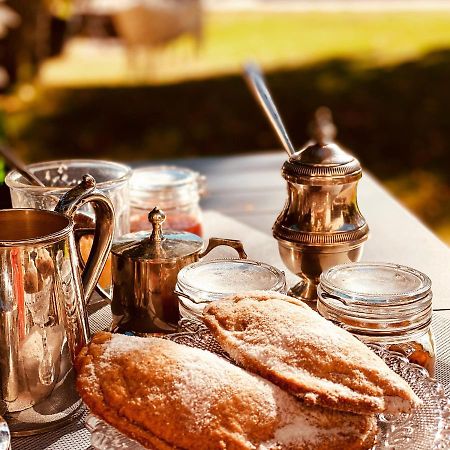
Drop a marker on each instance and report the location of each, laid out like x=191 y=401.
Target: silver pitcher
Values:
x=43 y=319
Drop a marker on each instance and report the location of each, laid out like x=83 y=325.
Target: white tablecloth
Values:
x=259 y=246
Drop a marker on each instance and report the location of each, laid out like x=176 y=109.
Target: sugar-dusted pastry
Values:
x=288 y=343
x=169 y=396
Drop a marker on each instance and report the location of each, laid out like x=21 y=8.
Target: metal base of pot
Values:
x=20 y=428
x=306 y=291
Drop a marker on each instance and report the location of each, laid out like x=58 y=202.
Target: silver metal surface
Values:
x=322 y=164
x=76 y=198
x=257 y=85
x=308 y=262
x=320 y=225
x=155 y=245
x=144 y=273
x=43 y=320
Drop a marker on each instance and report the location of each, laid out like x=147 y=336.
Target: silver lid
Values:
x=157 y=246
x=322 y=164
x=322 y=161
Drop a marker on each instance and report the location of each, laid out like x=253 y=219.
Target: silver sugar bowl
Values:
x=320 y=225
x=145 y=266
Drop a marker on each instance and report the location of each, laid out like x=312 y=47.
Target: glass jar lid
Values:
x=376 y=299
x=375 y=283
x=167 y=186
x=157 y=246
x=211 y=280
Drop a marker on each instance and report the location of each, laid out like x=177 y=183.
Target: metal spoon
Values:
x=15 y=163
x=256 y=83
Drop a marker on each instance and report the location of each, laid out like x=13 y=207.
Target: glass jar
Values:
x=204 y=282
x=59 y=176
x=174 y=189
x=382 y=303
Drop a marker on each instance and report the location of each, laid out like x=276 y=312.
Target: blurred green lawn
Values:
x=274 y=39
x=385 y=76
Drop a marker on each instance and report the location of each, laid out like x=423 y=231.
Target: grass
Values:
x=274 y=39
x=385 y=76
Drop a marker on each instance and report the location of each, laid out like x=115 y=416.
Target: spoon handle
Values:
x=15 y=163
x=256 y=83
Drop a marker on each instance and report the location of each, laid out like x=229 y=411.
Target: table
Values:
x=251 y=190
x=245 y=194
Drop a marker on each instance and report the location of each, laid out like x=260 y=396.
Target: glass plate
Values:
x=427 y=428
x=5 y=438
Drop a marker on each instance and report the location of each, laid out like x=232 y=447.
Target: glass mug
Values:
x=43 y=318
x=59 y=176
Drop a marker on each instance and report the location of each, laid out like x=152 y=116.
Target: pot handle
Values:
x=233 y=243
x=74 y=199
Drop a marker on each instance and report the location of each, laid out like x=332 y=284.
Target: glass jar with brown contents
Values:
x=177 y=190
x=382 y=303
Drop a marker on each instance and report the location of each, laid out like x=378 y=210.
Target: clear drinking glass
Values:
x=59 y=176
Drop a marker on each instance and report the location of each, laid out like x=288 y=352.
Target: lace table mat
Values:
x=74 y=435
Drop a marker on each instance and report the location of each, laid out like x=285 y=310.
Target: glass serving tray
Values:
x=5 y=438
x=427 y=428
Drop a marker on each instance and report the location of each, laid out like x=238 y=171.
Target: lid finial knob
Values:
x=156 y=217
x=322 y=128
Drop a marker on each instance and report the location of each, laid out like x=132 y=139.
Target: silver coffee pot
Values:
x=43 y=318
x=320 y=225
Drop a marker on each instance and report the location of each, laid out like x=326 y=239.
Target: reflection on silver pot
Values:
x=43 y=321
x=144 y=272
x=320 y=225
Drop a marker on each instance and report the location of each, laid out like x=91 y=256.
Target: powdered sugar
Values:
x=198 y=394
x=199 y=379
x=289 y=435
x=120 y=343
x=270 y=333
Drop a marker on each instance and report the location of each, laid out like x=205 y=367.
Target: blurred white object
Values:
x=8 y=19
x=145 y=27
x=152 y=24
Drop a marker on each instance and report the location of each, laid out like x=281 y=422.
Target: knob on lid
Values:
x=322 y=161
x=157 y=246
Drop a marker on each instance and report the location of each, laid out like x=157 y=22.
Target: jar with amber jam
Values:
x=382 y=303
x=176 y=190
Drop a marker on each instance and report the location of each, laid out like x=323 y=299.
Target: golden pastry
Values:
x=169 y=396
x=288 y=343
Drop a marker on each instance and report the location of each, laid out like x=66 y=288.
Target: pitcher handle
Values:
x=74 y=199
x=233 y=243
x=79 y=233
